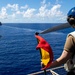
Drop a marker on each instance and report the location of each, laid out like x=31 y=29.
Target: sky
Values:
x=35 y=11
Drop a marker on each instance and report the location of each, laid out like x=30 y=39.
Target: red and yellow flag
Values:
x=46 y=51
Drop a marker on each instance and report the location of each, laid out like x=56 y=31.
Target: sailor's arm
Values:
x=62 y=59
x=66 y=54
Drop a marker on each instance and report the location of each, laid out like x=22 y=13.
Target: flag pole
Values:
x=59 y=27
x=41 y=57
x=45 y=73
x=42 y=63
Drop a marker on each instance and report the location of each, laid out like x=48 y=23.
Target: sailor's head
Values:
x=71 y=17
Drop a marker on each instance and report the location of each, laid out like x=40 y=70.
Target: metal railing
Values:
x=51 y=71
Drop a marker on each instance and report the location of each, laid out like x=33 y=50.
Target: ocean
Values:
x=18 y=54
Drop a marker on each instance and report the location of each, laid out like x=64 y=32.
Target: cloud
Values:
x=24 y=7
x=55 y=11
x=43 y=2
x=13 y=15
x=58 y=1
x=29 y=13
x=46 y=11
x=13 y=7
x=15 y=11
x=42 y=11
x=3 y=13
x=50 y=13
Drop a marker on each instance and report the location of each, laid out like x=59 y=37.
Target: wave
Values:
x=21 y=29
x=58 y=33
x=15 y=29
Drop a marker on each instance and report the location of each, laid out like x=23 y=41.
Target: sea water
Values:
x=18 y=54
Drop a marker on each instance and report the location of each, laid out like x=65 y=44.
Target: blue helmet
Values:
x=71 y=12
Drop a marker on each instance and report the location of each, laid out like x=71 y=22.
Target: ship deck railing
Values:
x=49 y=71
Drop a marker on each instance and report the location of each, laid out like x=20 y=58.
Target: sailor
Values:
x=67 y=57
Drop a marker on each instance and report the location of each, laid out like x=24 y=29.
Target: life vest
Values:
x=70 y=64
